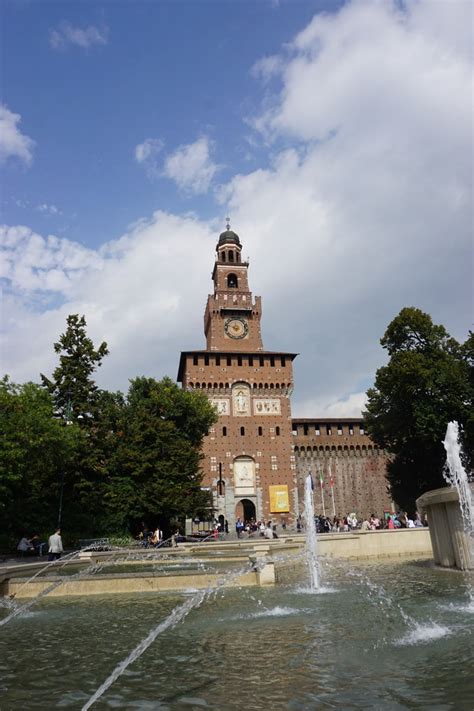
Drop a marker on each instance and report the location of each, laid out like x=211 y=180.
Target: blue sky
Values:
x=336 y=135
x=171 y=70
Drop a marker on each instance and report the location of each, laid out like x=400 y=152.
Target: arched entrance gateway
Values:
x=245 y=510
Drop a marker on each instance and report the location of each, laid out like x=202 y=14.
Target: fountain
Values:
x=259 y=646
x=451 y=511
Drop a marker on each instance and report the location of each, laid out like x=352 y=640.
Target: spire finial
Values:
x=227 y=219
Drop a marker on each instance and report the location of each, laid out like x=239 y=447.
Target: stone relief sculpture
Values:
x=222 y=406
x=244 y=476
x=241 y=400
x=266 y=407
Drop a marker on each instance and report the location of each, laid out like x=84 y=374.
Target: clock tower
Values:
x=248 y=458
x=232 y=318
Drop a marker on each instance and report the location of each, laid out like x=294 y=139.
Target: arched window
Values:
x=242 y=431
x=277 y=431
x=221 y=488
x=260 y=431
x=232 y=282
x=224 y=431
x=231 y=256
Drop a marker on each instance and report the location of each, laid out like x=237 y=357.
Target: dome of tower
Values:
x=228 y=237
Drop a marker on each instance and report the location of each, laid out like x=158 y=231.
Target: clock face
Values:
x=236 y=327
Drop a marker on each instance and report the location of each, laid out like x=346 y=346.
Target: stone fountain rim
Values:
x=445 y=494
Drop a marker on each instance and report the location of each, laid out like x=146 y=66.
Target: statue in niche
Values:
x=241 y=401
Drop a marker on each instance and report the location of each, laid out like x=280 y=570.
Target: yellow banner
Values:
x=279 y=499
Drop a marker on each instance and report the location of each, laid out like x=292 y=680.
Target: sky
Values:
x=337 y=136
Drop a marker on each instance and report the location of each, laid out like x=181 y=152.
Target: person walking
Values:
x=55 y=545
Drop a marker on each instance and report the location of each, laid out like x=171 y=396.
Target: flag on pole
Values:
x=321 y=481
x=310 y=473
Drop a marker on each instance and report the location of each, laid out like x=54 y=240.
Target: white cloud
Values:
x=191 y=167
x=370 y=210
x=138 y=293
x=65 y=35
x=13 y=143
x=47 y=209
x=267 y=67
x=148 y=149
x=146 y=154
x=33 y=263
x=332 y=407
x=367 y=210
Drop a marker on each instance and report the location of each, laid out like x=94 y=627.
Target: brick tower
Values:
x=248 y=455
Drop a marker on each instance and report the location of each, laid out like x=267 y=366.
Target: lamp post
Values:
x=67 y=418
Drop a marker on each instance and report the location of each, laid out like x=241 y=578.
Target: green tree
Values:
x=155 y=468
x=74 y=391
x=78 y=400
x=427 y=382
x=36 y=449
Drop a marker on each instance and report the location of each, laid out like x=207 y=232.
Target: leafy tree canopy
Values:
x=427 y=382
x=35 y=450
x=155 y=468
x=72 y=387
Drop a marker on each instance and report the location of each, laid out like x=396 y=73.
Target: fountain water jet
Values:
x=456 y=476
x=311 y=537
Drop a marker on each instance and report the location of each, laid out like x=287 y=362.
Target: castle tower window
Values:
x=231 y=256
x=223 y=256
x=224 y=431
x=317 y=430
x=206 y=360
x=229 y=360
x=262 y=361
x=339 y=429
x=232 y=282
x=305 y=428
x=351 y=429
x=277 y=431
x=242 y=431
x=218 y=360
x=220 y=488
x=362 y=431
x=283 y=361
x=328 y=430
x=272 y=361
x=251 y=361
x=260 y=431
x=195 y=360
x=239 y=360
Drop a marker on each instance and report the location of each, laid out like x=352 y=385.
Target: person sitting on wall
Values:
x=269 y=530
x=25 y=547
x=365 y=525
x=418 y=522
x=352 y=520
x=156 y=537
x=239 y=527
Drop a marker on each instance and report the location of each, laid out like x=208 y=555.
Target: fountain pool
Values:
x=347 y=646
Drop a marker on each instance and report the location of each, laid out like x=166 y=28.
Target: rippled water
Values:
x=348 y=647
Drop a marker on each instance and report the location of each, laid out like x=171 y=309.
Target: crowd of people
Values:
x=32 y=545
x=253 y=528
x=336 y=524
x=349 y=523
